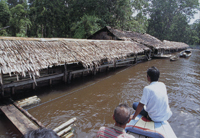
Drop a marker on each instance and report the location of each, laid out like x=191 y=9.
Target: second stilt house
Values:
x=157 y=46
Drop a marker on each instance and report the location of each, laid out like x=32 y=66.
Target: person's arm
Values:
x=138 y=110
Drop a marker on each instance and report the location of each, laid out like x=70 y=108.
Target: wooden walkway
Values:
x=21 y=122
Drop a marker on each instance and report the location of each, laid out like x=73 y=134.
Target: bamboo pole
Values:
x=64 y=131
x=64 y=125
x=69 y=135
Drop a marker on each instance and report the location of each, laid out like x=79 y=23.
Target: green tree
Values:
x=49 y=18
x=194 y=33
x=19 y=21
x=86 y=27
x=114 y=13
x=169 y=18
x=4 y=17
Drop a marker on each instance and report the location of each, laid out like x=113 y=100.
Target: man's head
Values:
x=41 y=133
x=122 y=114
x=153 y=73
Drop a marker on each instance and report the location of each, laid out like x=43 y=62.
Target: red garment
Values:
x=113 y=132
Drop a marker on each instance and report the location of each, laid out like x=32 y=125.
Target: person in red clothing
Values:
x=122 y=117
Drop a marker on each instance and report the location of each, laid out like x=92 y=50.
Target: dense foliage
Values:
x=80 y=18
x=169 y=20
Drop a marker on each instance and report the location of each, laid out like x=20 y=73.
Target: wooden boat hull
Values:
x=142 y=126
x=185 y=53
x=174 y=58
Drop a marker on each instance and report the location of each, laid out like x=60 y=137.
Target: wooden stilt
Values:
x=136 y=58
x=114 y=63
x=70 y=77
x=107 y=69
x=65 y=73
x=94 y=71
x=50 y=82
x=13 y=90
x=2 y=86
x=2 y=90
x=33 y=86
x=82 y=74
x=73 y=76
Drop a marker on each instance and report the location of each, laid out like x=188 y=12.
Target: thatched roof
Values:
x=145 y=39
x=20 y=55
x=177 y=45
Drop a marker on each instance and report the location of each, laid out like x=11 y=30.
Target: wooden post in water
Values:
x=136 y=58
x=50 y=82
x=13 y=90
x=2 y=86
x=70 y=77
x=94 y=71
x=114 y=63
x=33 y=86
x=65 y=73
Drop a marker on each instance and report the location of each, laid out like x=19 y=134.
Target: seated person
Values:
x=154 y=103
x=122 y=117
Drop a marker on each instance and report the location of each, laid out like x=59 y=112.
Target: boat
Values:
x=142 y=127
x=185 y=53
x=162 y=55
x=174 y=58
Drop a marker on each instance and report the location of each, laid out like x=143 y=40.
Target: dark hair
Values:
x=41 y=133
x=153 y=73
x=122 y=114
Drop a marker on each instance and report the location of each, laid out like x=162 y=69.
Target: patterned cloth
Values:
x=113 y=132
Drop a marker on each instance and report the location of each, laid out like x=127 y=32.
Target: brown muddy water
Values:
x=92 y=99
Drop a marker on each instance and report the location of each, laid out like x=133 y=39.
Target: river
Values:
x=92 y=100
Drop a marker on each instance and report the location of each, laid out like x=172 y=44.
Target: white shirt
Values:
x=156 y=103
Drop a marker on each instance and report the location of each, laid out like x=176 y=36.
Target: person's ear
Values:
x=129 y=120
x=113 y=117
x=148 y=78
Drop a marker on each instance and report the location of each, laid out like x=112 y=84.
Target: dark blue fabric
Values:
x=143 y=112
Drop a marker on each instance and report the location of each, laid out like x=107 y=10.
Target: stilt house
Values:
x=33 y=62
x=156 y=45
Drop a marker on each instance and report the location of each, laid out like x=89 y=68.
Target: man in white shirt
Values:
x=154 y=102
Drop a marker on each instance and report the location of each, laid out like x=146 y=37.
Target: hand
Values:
x=132 y=117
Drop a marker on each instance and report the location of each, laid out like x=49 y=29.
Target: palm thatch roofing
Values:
x=177 y=45
x=145 y=39
x=21 y=55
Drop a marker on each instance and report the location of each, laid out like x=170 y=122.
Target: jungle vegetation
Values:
x=164 y=19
